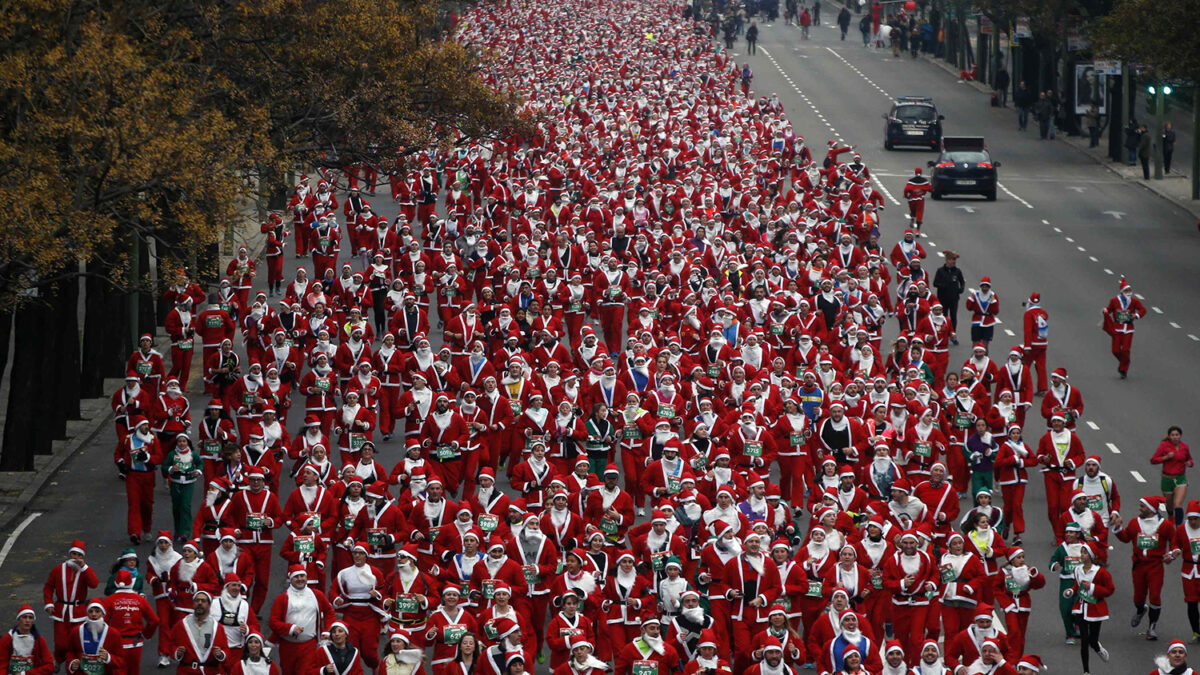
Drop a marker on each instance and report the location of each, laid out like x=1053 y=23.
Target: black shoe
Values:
x=134 y=539
x=1137 y=617
x=1123 y=374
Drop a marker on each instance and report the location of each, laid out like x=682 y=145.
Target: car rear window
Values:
x=915 y=113
x=969 y=157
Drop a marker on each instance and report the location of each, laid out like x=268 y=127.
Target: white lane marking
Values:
x=1115 y=449
x=860 y=73
x=1107 y=271
x=1045 y=222
x=12 y=538
x=1137 y=476
x=1012 y=194
x=1092 y=426
x=1009 y=333
x=1175 y=325
x=1093 y=258
x=1139 y=296
x=884 y=190
x=1057 y=230
x=1070 y=240
x=1156 y=310
x=1197 y=339
x=932 y=244
x=1081 y=249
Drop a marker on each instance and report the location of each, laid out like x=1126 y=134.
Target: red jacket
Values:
x=66 y=588
x=40 y=662
x=280 y=626
x=110 y=641
x=132 y=615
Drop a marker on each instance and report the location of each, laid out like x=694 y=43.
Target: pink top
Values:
x=1175 y=460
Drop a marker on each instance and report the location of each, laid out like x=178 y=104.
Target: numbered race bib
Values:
x=575 y=307
x=1012 y=585
x=796 y=439
x=446 y=452
x=1070 y=563
x=92 y=664
x=666 y=412
x=923 y=449
x=356 y=441
x=1087 y=598
x=631 y=432
x=962 y=421
x=645 y=668
x=181 y=463
x=776 y=329
x=406 y=603
x=489 y=588
x=877 y=579
x=376 y=537
x=516 y=406
x=1095 y=502
x=488 y=522
x=699 y=462
x=814 y=589
x=304 y=543
x=256 y=522
x=212 y=321
x=752 y=449
x=1195 y=546
x=713 y=371
x=20 y=664
x=452 y=634
x=948 y=574
x=531 y=576
x=1123 y=317
x=659 y=561
x=186 y=345
x=1147 y=542
x=210 y=448
x=608 y=526
x=348 y=522
x=324 y=384
x=674 y=485
x=144 y=367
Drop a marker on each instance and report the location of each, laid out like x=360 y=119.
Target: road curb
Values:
x=1189 y=205
x=39 y=478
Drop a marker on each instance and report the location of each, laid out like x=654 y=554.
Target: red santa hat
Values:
x=1059 y=372
x=407 y=551
x=772 y=644
x=1122 y=284
x=892 y=646
x=1034 y=662
x=1154 y=502
x=983 y=611
x=26 y=609
x=123 y=579
x=377 y=491
x=78 y=546
x=293 y=570
x=1193 y=509
x=707 y=639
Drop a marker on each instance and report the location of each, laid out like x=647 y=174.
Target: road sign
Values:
x=1107 y=67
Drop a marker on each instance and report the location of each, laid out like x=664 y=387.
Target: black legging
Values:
x=1089 y=636
x=1193 y=611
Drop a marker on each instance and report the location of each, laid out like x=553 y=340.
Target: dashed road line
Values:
x=1137 y=476
x=1093 y=258
x=1108 y=271
x=1175 y=325
x=1157 y=310
x=1009 y=333
x=1194 y=338
x=1116 y=451
x=1056 y=229
x=884 y=190
x=1070 y=240
x=1092 y=426
x=1012 y=194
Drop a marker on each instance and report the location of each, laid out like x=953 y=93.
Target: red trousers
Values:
x=1122 y=344
x=960 y=476
x=1036 y=358
x=363 y=623
x=322 y=262
x=908 y=624
x=954 y=619
x=794 y=469
x=450 y=471
x=471 y=465
x=260 y=554
x=634 y=463
x=62 y=639
x=916 y=209
x=275 y=269
x=612 y=318
x=129 y=661
x=388 y=412
x=1014 y=506
x=1016 y=623
x=937 y=365
x=719 y=609
x=139 y=497
x=1058 y=495
x=1148 y=580
x=181 y=365
x=296 y=657
x=574 y=324
x=165 y=611
x=744 y=632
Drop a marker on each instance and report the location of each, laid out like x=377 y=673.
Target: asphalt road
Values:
x=1048 y=231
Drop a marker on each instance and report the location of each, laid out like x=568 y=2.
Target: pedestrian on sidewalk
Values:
x=1168 y=145
x=805 y=22
x=1092 y=122
x=1024 y=101
x=1132 y=136
x=864 y=27
x=816 y=13
x=1043 y=111
x=1002 y=83
x=751 y=37
x=1056 y=110
x=843 y=21
x=1144 y=148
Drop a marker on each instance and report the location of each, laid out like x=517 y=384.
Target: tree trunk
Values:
x=65 y=392
x=104 y=348
x=25 y=425
x=145 y=290
x=6 y=321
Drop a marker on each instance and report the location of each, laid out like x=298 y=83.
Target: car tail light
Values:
x=985 y=165
x=945 y=165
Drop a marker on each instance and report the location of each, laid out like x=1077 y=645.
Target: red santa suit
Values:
x=64 y=595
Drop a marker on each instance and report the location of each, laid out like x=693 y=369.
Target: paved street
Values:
x=1062 y=225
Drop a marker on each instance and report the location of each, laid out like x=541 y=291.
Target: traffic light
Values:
x=1166 y=89
x=1153 y=91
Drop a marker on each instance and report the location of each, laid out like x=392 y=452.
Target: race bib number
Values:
x=143 y=368
x=256 y=522
x=515 y=405
x=377 y=537
x=659 y=561
x=575 y=307
x=323 y=242
x=948 y=574
x=181 y=463
x=1195 y=546
x=356 y=441
x=452 y=634
x=962 y=421
x=248 y=399
x=632 y=433
x=489 y=588
x=776 y=329
x=713 y=371
x=304 y=543
x=1086 y=597
x=488 y=522
x=699 y=462
x=186 y=345
x=531 y=576
x=666 y=411
x=752 y=449
x=348 y=522
x=92 y=664
x=674 y=485
x=324 y=384
x=796 y=439
x=210 y=448
x=877 y=579
x=814 y=589
x=608 y=526
x=923 y=449
x=1147 y=542
x=1095 y=502
x=645 y=668
x=1012 y=585
x=213 y=322
x=20 y=664
x=406 y=603
x=446 y=452
x=1123 y=317
x=1070 y=563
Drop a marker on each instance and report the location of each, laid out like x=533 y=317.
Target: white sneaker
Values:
x=641 y=513
x=164 y=661
x=1103 y=654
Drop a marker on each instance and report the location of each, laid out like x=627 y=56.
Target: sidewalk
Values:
x=1175 y=187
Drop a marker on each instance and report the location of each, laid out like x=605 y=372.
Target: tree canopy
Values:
x=139 y=119
x=1160 y=35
